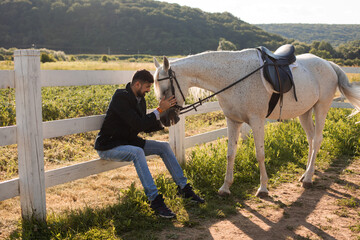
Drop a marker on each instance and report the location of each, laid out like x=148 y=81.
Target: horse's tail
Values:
x=350 y=91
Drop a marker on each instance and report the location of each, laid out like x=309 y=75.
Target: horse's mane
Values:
x=195 y=92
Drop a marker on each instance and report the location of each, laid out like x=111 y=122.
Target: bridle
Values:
x=188 y=108
x=172 y=78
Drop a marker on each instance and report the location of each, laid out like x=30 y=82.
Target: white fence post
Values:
x=30 y=134
x=177 y=139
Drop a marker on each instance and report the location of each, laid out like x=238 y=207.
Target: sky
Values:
x=277 y=11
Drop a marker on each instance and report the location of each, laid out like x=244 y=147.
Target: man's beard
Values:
x=140 y=94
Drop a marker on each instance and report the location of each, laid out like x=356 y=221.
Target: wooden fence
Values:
x=29 y=131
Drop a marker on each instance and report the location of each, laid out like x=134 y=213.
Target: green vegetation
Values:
x=338 y=43
x=335 y=34
x=66 y=102
x=348 y=202
x=122 y=26
x=131 y=217
x=225 y=45
x=153 y=27
x=345 y=55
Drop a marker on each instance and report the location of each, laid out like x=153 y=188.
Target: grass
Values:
x=97 y=65
x=355 y=228
x=130 y=216
x=353 y=77
x=86 y=65
x=348 y=202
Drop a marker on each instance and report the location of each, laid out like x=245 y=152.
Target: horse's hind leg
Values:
x=233 y=137
x=308 y=125
x=320 y=116
x=257 y=126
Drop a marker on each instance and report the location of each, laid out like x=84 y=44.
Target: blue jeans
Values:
x=137 y=155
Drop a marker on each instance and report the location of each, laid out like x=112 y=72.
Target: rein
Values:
x=188 y=108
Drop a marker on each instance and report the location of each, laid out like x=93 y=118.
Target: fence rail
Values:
x=32 y=181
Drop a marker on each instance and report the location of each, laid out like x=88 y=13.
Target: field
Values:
x=112 y=205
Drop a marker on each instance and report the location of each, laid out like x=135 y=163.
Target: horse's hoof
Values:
x=262 y=194
x=307 y=185
x=223 y=193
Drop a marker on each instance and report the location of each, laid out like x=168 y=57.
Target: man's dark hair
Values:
x=142 y=76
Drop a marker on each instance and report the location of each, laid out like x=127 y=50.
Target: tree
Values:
x=136 y=26
x=105 y=58
x=320 y=53
x=301 y=48
x=323 y=49
x=325 y=46
x=350 y=50
x=225 y=45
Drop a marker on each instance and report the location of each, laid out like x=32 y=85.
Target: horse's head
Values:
x=166 y=85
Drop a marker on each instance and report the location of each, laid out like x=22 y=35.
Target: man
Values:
x=118 y=139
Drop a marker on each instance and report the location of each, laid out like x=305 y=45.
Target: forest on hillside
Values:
x=335 y=34
x=122 y=26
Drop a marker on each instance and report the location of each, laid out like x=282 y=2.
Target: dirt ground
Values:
x=290 y=211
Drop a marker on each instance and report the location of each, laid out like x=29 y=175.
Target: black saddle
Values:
x=277 y=72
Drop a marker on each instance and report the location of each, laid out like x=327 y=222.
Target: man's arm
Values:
x=122 y=107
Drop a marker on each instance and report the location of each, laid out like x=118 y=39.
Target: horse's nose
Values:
x=174 y=116
x=170 y=117
x=165 y=120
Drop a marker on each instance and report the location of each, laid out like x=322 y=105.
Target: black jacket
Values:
x=124 y=120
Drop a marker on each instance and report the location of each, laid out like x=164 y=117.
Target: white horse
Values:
x=316 y=81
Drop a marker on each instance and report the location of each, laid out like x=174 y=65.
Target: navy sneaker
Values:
x=187 y=192
x=160 y=208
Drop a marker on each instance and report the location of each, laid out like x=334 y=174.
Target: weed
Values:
x=286 y=215
x=348 y=202
x=325 y=228
x=355 y=228
x=220 y=214
x=348 y=171
x=131 y=217
x=329 y=220
x=172 y=236
x=351 y=187
x=290 y=228
x=343 y=212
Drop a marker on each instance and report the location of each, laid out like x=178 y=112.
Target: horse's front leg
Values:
x=233 y=137
x=257 y=126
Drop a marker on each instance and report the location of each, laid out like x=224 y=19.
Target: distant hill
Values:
x=335 y=34
x=123 y=26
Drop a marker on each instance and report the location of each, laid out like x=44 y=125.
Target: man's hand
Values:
x=165 y=104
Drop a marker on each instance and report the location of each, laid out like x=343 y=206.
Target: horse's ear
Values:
x=166 y=64
x=157 y=64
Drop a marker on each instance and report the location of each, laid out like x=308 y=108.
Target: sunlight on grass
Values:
x=97 y=65
x=86 y=65
x=353 y=77
x=286 y=154
x=131 y=217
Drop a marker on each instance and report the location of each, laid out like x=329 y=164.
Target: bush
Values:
x=105 y=58
x=45 y=57
x=72 y=59
x=2 y=58
x=225 y=45
x=59 y=55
